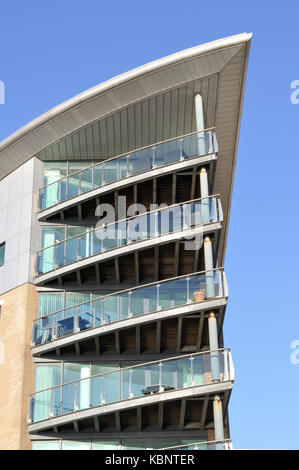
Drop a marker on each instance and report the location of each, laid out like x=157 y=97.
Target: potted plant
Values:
x=199 y=295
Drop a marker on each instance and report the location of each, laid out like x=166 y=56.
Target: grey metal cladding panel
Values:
x=123 y=130
x=150 y=85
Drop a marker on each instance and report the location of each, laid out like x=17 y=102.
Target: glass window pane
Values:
x=73 y=298
x=47 y=376
x=52 y=235
x=75 y=371
x=2 y=253
x=192 y=443
x=77 y=165
x=46 y=445
x=105 y=445
x=163 y=444
x=49 y=303
x=75 y=445
x=134 y=445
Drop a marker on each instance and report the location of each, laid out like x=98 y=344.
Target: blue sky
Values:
x=52 y=50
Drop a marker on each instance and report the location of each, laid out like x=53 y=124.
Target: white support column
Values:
x=204 y=191
x=218 y=420
x=208 y=254
x=214 y=355
x=200 y=125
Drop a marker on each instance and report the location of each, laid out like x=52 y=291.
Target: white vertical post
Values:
x=218 y=420
x=204 y=191
x=214 y=355
x=208 y=254
x=200 y=125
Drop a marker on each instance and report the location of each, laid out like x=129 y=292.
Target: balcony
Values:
x=139 y=232
x=225 y=444
x=175 y=378
x=132 y=307
x=161 y=158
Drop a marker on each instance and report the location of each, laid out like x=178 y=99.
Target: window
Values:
x=2 y=253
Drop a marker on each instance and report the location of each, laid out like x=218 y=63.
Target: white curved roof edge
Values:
x=121 y=79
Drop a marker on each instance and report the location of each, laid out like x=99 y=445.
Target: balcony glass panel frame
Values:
x=142 y=160
x=148 y=379
x=116 y=307
x=151 y=225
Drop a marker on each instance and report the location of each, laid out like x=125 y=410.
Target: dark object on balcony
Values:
x=150 y=389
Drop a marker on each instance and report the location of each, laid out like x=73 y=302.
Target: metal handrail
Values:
x=123 y=291
x=222 y=441
x=129 y=218
x=121 y=369
x=127 y=154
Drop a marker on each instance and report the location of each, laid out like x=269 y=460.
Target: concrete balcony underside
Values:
x=183 y=312
x=117 y=412
x=207 y=229
x=128 y=181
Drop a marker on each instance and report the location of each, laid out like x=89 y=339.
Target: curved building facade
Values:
x=114 y=210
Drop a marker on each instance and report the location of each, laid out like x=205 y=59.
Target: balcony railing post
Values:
x=225 y=366
x=76 y=397
x=90 y=391
x=130 y=383
x=158 y=297
x=103 y=312
x=54 y=326
x=92 y=176
x=154 y=158
x=130 y=314
x=220 y=282
x=192 y=370
x=55 y=255
x=93 y=313
x=189 y=300
x=160 y=377
x=76 y=320
x=118 y=307
x=78 y=248
x=51 y=405
x=57 y=192
x=181 y=141
x=80 y=183
x=102 y=390
x=128 y=165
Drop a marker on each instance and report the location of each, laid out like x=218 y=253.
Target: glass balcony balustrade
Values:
x=150 y=298
x=144 y=380
x=117 y=168
x=156 y=223
x=132 y=444
x=225 y=444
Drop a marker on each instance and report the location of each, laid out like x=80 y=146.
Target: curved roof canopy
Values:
x=143 y=106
